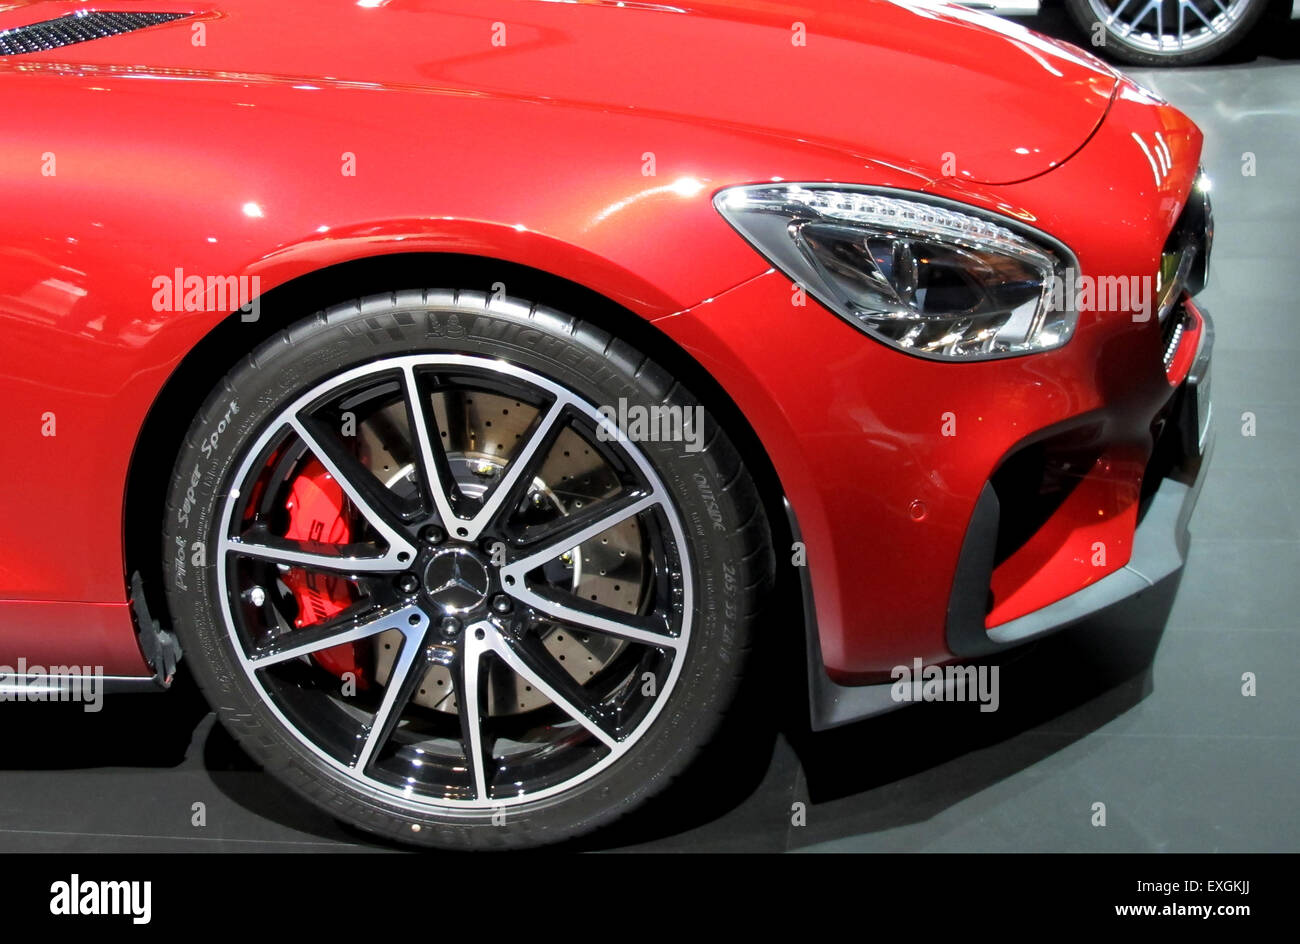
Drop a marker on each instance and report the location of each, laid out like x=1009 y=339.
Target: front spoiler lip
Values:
x=1160 y=545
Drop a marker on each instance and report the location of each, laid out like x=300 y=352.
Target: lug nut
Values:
x=450 y=626
x=442 y=655
x=432 y=534
x=502 y=604
x=407 y=583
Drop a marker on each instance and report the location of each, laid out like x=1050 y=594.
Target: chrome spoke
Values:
x=525 y=460
x=572 y=610
x=1202 y=17
x=434 y=474
x=514 y=572
x=1141 y=14
x=647 y=630
x=470 y=709
x=303 y=642
x=333 y=558
x=400 y=551
x=1117 y=11
x=405 y=676
x=553 y=682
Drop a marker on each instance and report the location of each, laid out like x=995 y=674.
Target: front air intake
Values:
x=76 y=28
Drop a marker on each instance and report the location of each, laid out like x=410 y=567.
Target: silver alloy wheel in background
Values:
x=1170 y=27
x=496 y=622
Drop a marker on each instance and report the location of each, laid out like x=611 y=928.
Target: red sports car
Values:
x=447 y=382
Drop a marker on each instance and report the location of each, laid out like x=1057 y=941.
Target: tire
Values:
x=1135 y=43
x=285 y=713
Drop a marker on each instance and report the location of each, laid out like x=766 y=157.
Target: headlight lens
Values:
x=922 y=277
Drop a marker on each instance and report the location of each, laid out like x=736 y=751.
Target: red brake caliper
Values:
x=317 y=513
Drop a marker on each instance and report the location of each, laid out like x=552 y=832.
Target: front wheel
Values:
x=432 y=579
x=1166 y=32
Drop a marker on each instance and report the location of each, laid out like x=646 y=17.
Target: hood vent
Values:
x=76 y=28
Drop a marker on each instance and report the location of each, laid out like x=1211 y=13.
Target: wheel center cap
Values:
x=457 y=580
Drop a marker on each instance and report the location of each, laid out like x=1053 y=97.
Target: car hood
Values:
x=928 y=87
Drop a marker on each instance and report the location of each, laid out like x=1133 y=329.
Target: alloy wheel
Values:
x=1178 y=30
x=494 y=605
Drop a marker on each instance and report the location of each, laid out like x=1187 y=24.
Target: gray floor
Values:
x=1141 y=710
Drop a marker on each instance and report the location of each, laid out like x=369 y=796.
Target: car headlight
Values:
x=919 y=275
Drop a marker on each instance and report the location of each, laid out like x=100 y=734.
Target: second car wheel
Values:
x=1167 y=32
x=428 y=580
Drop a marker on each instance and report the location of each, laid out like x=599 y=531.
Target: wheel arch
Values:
x=169 y=416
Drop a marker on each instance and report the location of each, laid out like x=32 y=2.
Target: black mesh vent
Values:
x=76 y=28
x=1034 y=481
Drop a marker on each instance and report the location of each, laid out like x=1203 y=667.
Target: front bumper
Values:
x=1160 y=543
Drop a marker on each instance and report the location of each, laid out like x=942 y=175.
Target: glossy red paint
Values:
x=227 y=159
x=55 y=633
